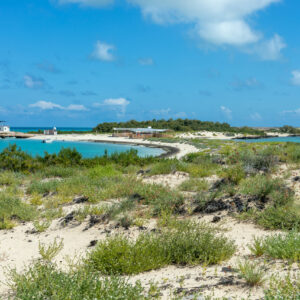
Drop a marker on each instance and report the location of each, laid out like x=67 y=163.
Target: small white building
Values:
x=50 y=131
x=4 y=128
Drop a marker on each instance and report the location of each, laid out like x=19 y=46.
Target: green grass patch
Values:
x=194 y=185
x=47 y=281
x=280 y=246
x=184 y=244
x=13 y=209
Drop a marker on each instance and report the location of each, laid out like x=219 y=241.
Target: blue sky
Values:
x=82 y=62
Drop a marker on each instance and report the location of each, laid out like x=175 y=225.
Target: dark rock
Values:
x=226 y=281
x=297 y=178
x=216 y=219
x=67 y=219
x=29 y=241
x=142 y=228
x=92 y=243
x=140 y=172
x=215 y=206
x=80 y=199
x=136 y=197
x=228 y=270
x=218 y=184
x=94 y=219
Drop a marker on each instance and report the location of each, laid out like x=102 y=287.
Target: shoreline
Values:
x=176 y=150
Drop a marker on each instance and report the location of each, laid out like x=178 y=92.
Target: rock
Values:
x=216 y=219
x=80 y=199
x=296 y=179
x=67 y=219
x=94 y=219
x=136 y=197
x=93 y=243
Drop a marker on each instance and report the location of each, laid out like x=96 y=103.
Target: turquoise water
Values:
x=294 y=139
x=29 y=129
x=87 y=149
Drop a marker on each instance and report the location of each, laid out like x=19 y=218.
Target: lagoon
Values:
x=294 y=139
x=87 y=149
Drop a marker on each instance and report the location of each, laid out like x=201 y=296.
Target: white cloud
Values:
x=32 y=82
x=270 y=49
x=256 y=117
x=118 y=104
x=76 y=107
x=248 y=84
x=226 y=111
x=44 y=105
x=221 y=22
x=91 y=3
x=296 y=77
x=103 y=51
x=146 y=61
x=160 y=112
x=2 y=109
x=216 y=21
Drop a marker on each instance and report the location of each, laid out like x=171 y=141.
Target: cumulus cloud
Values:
x=117 y=104
x=47 y=105
x=91 y=3
x=296 y=77
x=217 y=21
x=226 y=111
x=161 y=112
x=248 y=84
x=103 y=51
x=146 y=61
x=270 y=49
x=33 y=82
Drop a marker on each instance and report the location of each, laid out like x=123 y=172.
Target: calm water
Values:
x=87 y=149
x=294 y=139
x=29 y=129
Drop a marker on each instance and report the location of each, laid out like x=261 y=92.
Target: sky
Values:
x=84 y=62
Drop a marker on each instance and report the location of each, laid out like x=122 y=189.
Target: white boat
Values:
x=47 y=141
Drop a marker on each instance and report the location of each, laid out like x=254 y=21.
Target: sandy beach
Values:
x=182 y=148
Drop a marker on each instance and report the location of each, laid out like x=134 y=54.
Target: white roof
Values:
x=141 y=130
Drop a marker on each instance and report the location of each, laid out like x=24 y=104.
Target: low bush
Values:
x=252 y=273
x=287 y=288
x=279 y=218
x=185 y=243
x=259 y=186
x=167 y=166
x=233 y=174
x=280 y=246
x=12 y=208
x=194 y=185
x=39 y=187
x=47 y=281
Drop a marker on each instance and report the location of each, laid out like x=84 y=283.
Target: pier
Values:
x=18 y=135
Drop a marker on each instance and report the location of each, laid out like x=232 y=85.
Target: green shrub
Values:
x=252 y=273
x=258 y=160
x=185 y=243
x=12 y=208
x=38 y=187
x=233 y=174
x=46 y=281
x=281 y=246
x=103 y=171
x=9 y=178
x=259 y=186
x=167 y=166
x=194 y=185
x=287 y=288
x=279 y=218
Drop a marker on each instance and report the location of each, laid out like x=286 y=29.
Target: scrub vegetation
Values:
x=151 y=223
